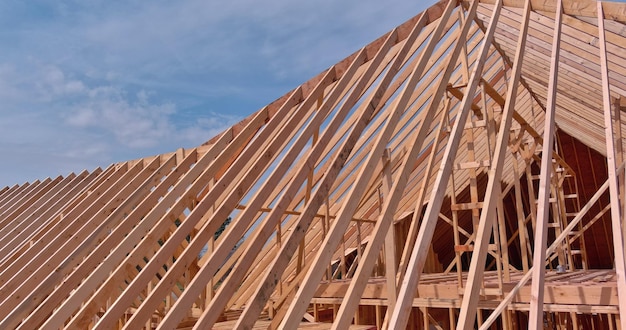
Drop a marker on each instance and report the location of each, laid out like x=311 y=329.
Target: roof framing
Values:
x=401 y=187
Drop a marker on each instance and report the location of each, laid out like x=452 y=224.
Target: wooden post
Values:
x=401 y=312
x=541 y=233
x=494 y=191
x=583 y=211
x=306 y=291
x=390 y=241
x=616 y=216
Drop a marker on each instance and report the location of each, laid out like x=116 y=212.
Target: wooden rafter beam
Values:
x=543 y=206
x=557 y=241
x=306 y=291
x=585 y=8
x=400 y=314
x=395 y=192
x=493 y=194
x=616 y=211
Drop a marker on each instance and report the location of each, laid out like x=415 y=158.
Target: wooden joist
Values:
x=325 y=205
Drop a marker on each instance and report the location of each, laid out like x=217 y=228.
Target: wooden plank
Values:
x=493 y=190
x=119 y=200
x=171 y=205
x=566 y=231
x=50 y=290
x=230 y=188
x=277 y=174
x=17 y=235
x=401 y=312
x=543 y=208
x=34 y=257
x=308 y=286
x=390 y=239
x=385 y=222
x=419 y=202
x=572 y=8
x=616 y=216
x=260 y=236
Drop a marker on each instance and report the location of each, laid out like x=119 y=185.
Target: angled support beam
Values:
x=280 y=262
x=359 y=281
x=522 y=282
x=543 y=206
x=494 y=190
x=402 y=310
x=390 y=237
x=616 y=216
x=210 y=314
x=307 y=290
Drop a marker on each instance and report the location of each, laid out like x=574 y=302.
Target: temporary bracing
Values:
x=464 y=170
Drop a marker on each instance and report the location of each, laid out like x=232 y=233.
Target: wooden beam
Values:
x=581 y=214
x=415 y=147
x=494 y=191
x=616 y=216
x=543 y=207
x=401 y=312
x=159 y=219
x=390 y=237
x=253 y=309
x=307 y=289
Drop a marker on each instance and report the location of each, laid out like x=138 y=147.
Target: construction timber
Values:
x=465 y=170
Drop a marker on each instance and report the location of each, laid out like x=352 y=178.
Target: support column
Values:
x=616 y=216
x=543 y=207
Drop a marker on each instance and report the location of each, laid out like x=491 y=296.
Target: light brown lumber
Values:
x=7 y=217
x=419 y=202
x=251 y=312
x=583 y=8
x=170 y=205
x=72 y=210
x=71 y=270
x=234 y=183
x=233 y=235
x=385 y=222
x=521 y=218
x=29 y=262
x=262 y=293
x=543 y=207
x=30 y=221
x=277 y=212
x=9 y=194
x=417 y=103
x=566 y=231
x=57 y=263
x=29 y=203
x=616 y=216
x=4 y=190
x=32 y=209
x=493 y=190
x=390 y=239
x=306 y=291
x=12 y=200
x=400 y=314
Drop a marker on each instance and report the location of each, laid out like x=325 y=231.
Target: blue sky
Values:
x=88 y=83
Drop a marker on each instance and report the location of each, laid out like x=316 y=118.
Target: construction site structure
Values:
x=465 y=170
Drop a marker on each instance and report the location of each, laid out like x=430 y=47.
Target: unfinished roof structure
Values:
x=463 y=170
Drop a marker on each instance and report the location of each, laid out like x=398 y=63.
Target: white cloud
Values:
x=86 y=83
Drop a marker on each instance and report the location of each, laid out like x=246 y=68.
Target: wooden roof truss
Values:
x=420 y=181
